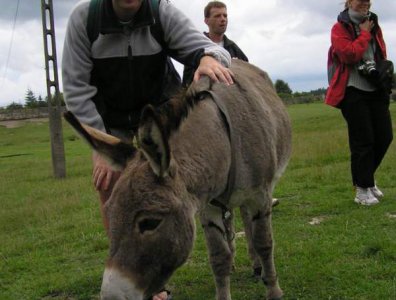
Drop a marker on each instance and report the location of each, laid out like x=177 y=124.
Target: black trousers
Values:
x=370 y=132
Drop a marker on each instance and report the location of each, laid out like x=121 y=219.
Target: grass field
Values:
x=52 y=244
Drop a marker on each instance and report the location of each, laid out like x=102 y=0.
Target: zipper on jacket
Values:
x=128 y=32
x=130 y=56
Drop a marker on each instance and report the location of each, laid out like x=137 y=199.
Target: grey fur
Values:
x=151 y=213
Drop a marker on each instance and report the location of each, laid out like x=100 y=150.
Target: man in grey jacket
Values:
x=106 y=82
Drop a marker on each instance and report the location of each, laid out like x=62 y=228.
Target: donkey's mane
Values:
x=172 y=113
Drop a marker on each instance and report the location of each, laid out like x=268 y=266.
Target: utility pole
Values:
x=54 y=105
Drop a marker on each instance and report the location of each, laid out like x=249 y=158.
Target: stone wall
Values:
x=25 y=113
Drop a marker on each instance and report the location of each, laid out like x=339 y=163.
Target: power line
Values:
x=11 y=42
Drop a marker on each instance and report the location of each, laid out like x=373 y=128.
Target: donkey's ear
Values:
x=153 y=142
x=111 y=148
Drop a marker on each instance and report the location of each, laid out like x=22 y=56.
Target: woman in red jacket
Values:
x=357 y=45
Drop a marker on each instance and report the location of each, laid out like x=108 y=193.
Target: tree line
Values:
x=282 y=88
x=289 y=97
x=32 y=101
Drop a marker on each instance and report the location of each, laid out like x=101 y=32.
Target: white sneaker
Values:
x=377 y=192
x=365 y=196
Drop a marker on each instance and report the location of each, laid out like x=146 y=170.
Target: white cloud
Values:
x=25 y=65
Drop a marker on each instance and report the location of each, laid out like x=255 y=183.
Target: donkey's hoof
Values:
x=256 y=275
x=275 y=294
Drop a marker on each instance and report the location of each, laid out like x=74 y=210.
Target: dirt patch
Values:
x=20 y=123
x=317 y=220
x=391 y=215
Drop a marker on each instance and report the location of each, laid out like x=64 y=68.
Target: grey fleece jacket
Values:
x=89 y=72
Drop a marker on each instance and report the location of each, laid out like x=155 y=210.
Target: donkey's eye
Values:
x=149 y=224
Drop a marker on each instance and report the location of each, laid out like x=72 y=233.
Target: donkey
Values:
x=205 y=152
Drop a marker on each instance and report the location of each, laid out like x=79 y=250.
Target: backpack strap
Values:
x=93 y=22
x=156 y=30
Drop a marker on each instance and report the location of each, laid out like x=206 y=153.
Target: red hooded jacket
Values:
x=346 y=50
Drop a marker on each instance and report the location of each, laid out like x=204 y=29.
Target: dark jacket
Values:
x=347 y=49
x=126 y=84
x=229 y=45
x=106 y=83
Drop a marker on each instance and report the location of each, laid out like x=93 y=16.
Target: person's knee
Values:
x=104 y=196
x=386 y=140
x=390 y=138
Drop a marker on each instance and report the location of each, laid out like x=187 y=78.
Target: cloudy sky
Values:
x=287 y=38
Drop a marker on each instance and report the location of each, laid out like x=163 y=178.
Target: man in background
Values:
x=216 y=18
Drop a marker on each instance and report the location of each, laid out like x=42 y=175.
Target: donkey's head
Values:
x=151 y=220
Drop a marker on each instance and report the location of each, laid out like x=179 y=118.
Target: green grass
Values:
x=52 y=243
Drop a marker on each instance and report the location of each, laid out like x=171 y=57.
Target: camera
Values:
x=368 y=68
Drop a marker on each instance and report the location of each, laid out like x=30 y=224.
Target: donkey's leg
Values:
x=247 y=224
x=230 y=235
x=263 y=244
x=220 y=254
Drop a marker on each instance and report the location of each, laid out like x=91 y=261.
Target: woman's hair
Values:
x=347 y=2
